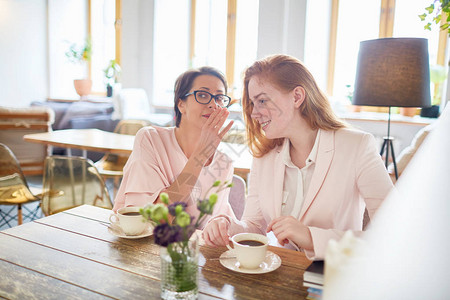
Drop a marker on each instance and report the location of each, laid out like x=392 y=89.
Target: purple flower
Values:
x=172 y=207
x=165 y=234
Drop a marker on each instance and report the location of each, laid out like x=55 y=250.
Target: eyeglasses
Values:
x=204 y=97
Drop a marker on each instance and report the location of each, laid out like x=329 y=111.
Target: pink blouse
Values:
x=157 y=160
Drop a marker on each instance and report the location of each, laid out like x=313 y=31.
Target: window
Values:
x=246 y=42
x=356 y=21
x=67 y=24
x=102 y=32
x=224 y=35
x=349 y=37
x=170 y=47
x=73 y=22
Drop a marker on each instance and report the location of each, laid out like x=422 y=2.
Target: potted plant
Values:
x=81 y=54
x=112 y=76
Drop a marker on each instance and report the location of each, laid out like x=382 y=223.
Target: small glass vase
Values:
x=179 y=270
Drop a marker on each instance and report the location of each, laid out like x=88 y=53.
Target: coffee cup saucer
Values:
x=115 y=230
x=270 y=263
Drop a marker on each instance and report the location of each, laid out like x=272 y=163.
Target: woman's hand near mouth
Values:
x=212 y=133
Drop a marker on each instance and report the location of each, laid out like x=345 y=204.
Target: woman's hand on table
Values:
x=215 y=232
x=288 y=228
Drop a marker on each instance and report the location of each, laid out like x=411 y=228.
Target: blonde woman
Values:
x=312 y=176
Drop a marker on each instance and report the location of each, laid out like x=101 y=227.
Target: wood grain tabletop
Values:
x=72 y=255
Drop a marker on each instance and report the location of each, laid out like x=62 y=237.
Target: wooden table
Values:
x=110 y=142
x=86 y=140
x=71 y=255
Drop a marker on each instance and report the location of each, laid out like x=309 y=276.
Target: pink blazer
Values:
x=349 y=176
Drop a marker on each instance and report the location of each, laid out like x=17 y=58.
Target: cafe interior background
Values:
x=154 y=41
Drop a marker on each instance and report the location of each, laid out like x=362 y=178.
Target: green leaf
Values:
x=438 y=19
x=427 y=27
x=422 y=17
x=216 y=183
x=430 y=9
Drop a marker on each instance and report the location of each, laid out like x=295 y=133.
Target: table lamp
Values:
x=392 y=72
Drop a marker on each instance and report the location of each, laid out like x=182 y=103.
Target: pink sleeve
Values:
x=143 y=178
x=373 y=181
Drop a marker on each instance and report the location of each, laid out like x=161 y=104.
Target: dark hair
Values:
x=184 y=82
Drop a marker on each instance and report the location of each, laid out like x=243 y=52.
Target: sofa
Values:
x=80 y=115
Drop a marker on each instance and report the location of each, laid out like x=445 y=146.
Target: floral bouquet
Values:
x=173 y=230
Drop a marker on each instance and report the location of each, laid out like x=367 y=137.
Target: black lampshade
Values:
x=393 y=72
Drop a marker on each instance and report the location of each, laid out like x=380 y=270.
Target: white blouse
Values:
x=296 y=180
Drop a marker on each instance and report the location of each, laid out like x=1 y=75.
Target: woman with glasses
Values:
x=183 y=161
x=312 y=176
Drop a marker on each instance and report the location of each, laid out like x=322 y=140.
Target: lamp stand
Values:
x=387 y=143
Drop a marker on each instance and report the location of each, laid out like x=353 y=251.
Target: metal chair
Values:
x=14 y=190
x=237 y=196
x=111 y=165
x=71 y=181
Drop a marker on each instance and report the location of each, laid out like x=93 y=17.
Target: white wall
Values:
x=23 y=52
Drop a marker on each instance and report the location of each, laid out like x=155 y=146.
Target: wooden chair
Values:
x=71 y=181
x=111 y=165
x=14 y=124
x=14 y=190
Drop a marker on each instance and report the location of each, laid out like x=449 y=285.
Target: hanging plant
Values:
x=434 y=13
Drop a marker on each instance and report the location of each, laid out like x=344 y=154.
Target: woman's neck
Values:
x=301 y=145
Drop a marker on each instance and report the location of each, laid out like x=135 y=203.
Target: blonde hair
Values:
x=286 y=73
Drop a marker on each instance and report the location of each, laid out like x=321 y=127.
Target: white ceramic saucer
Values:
x=117 y=231
x=271 y=263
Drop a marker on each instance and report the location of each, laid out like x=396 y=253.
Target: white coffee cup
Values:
x=249 y=256
x=129 y=220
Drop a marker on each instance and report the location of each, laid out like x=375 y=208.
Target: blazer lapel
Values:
x=278 y=181
x=325 y=153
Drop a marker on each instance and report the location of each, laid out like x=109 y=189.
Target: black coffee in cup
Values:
x=251 y=243
x=131 y=213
